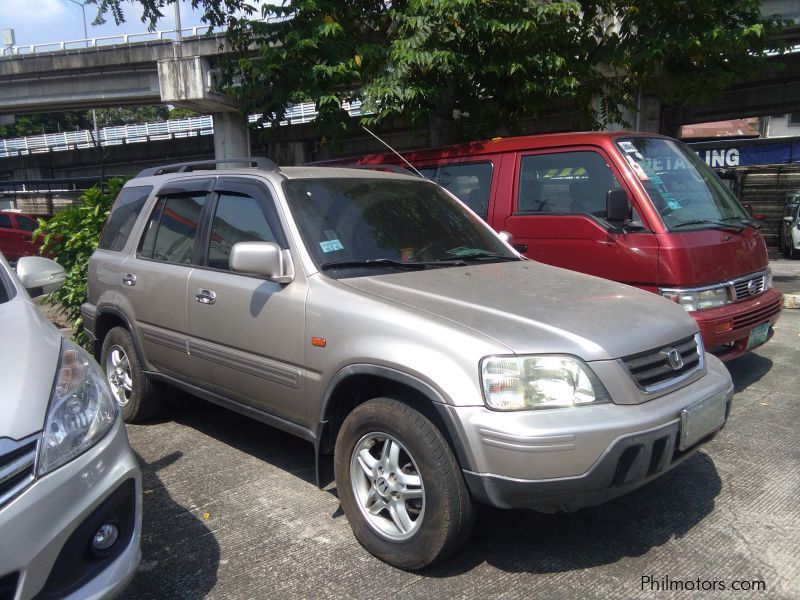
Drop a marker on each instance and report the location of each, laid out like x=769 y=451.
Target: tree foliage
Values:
x=70 y=237
x=495 y=60
x=37 y=124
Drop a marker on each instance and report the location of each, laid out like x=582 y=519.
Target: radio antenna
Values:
x=400 y=156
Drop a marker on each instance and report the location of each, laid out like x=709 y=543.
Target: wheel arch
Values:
x=354 y=385
x=108 y=318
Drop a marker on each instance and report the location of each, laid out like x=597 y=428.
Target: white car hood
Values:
x=29 y=351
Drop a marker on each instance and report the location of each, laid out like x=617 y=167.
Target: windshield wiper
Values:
x=715 y=224
x=482 y=256
x=374 y=262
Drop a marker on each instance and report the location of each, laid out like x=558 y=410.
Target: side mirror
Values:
x=40 y=275
x=262 y=258
x=618 y=207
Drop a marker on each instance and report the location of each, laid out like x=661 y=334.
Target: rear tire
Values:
x=134 y=392
x=400 y=485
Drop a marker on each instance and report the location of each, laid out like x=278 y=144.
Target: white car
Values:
x=790 y=228
x=70 y=487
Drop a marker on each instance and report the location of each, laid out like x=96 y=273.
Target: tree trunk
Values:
x=441 y=124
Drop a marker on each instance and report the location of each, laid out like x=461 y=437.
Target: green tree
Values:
x=497 y=60
x=130 y=115
x=40 y=123
x=70 y=237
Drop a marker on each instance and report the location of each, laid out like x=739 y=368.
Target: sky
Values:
x=44 y=21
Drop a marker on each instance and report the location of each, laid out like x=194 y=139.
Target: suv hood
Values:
x=28 y=360
x=534 y=308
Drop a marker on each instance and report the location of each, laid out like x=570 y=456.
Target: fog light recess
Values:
x=104 y=539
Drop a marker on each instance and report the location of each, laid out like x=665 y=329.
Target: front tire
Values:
x=400 y=485
x=134 y=392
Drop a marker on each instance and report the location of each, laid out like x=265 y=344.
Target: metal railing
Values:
x=145 y=132
x=108 y=40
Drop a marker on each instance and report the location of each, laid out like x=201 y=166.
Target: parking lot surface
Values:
x=231 y=511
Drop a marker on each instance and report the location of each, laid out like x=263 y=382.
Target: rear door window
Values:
x=5 y=222
x=172 y=228
x=469 y=182
x=26 y=223
x=126 y=209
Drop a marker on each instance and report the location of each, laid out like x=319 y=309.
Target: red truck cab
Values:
x=16 y=238
x=686 y=237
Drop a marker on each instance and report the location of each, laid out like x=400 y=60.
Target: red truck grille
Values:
x=759 y=315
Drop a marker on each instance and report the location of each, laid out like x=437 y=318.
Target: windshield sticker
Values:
x=628 y=147
x=331 y=246
x=637 y=169
x=645 y=172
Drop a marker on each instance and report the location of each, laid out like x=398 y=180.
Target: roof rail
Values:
x=259 y=162
x=386 y=168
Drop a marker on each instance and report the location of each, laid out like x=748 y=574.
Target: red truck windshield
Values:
x=686 y=193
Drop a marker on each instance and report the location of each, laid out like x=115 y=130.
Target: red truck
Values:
x=637 y=208
x=16 y=238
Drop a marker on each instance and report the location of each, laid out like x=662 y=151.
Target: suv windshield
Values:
x=387 y=224
x=684 y=190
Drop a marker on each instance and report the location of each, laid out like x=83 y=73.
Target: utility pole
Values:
x=86 y=40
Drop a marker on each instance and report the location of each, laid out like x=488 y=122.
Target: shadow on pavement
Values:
x=180 y=555
x=748 y=369
x=511 y=540
x=266 y=443
x=531 y=542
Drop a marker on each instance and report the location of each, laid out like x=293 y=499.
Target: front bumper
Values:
x=44 y=532
x=741 y=317
x=564 y=459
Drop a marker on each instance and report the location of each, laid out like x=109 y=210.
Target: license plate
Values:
x=700 y=419
x=758 y=335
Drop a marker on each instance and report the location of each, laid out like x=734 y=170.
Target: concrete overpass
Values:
x=180 y=72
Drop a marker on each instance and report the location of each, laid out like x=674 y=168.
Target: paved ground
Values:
x=231 y=511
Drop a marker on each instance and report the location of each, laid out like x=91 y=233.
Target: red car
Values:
x=15 y=235
x=680 y=233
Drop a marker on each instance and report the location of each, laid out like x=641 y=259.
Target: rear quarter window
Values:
x=26 y=223
x=126 y=209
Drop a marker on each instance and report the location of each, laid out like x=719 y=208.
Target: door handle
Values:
x=523 y=248
x=204 y=296
x=129 y=279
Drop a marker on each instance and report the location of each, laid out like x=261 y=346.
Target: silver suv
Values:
x=374 y=315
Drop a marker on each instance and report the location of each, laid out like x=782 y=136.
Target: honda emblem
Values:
x=673 y=357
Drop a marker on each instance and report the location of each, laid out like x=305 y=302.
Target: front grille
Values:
x=748 y=287
x=758 y=316
x=8 y=586
x=17 y=466
x=657 y=369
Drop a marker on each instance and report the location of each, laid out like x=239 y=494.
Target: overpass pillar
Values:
x=191 y=82
x=231 y=135
x=645 y=116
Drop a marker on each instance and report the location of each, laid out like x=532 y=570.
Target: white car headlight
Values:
x=691 y=300
x=81 y=409
x=530 y=382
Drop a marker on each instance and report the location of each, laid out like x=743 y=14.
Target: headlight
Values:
x=698 y=299
x=81 y=409
x=527 y=382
